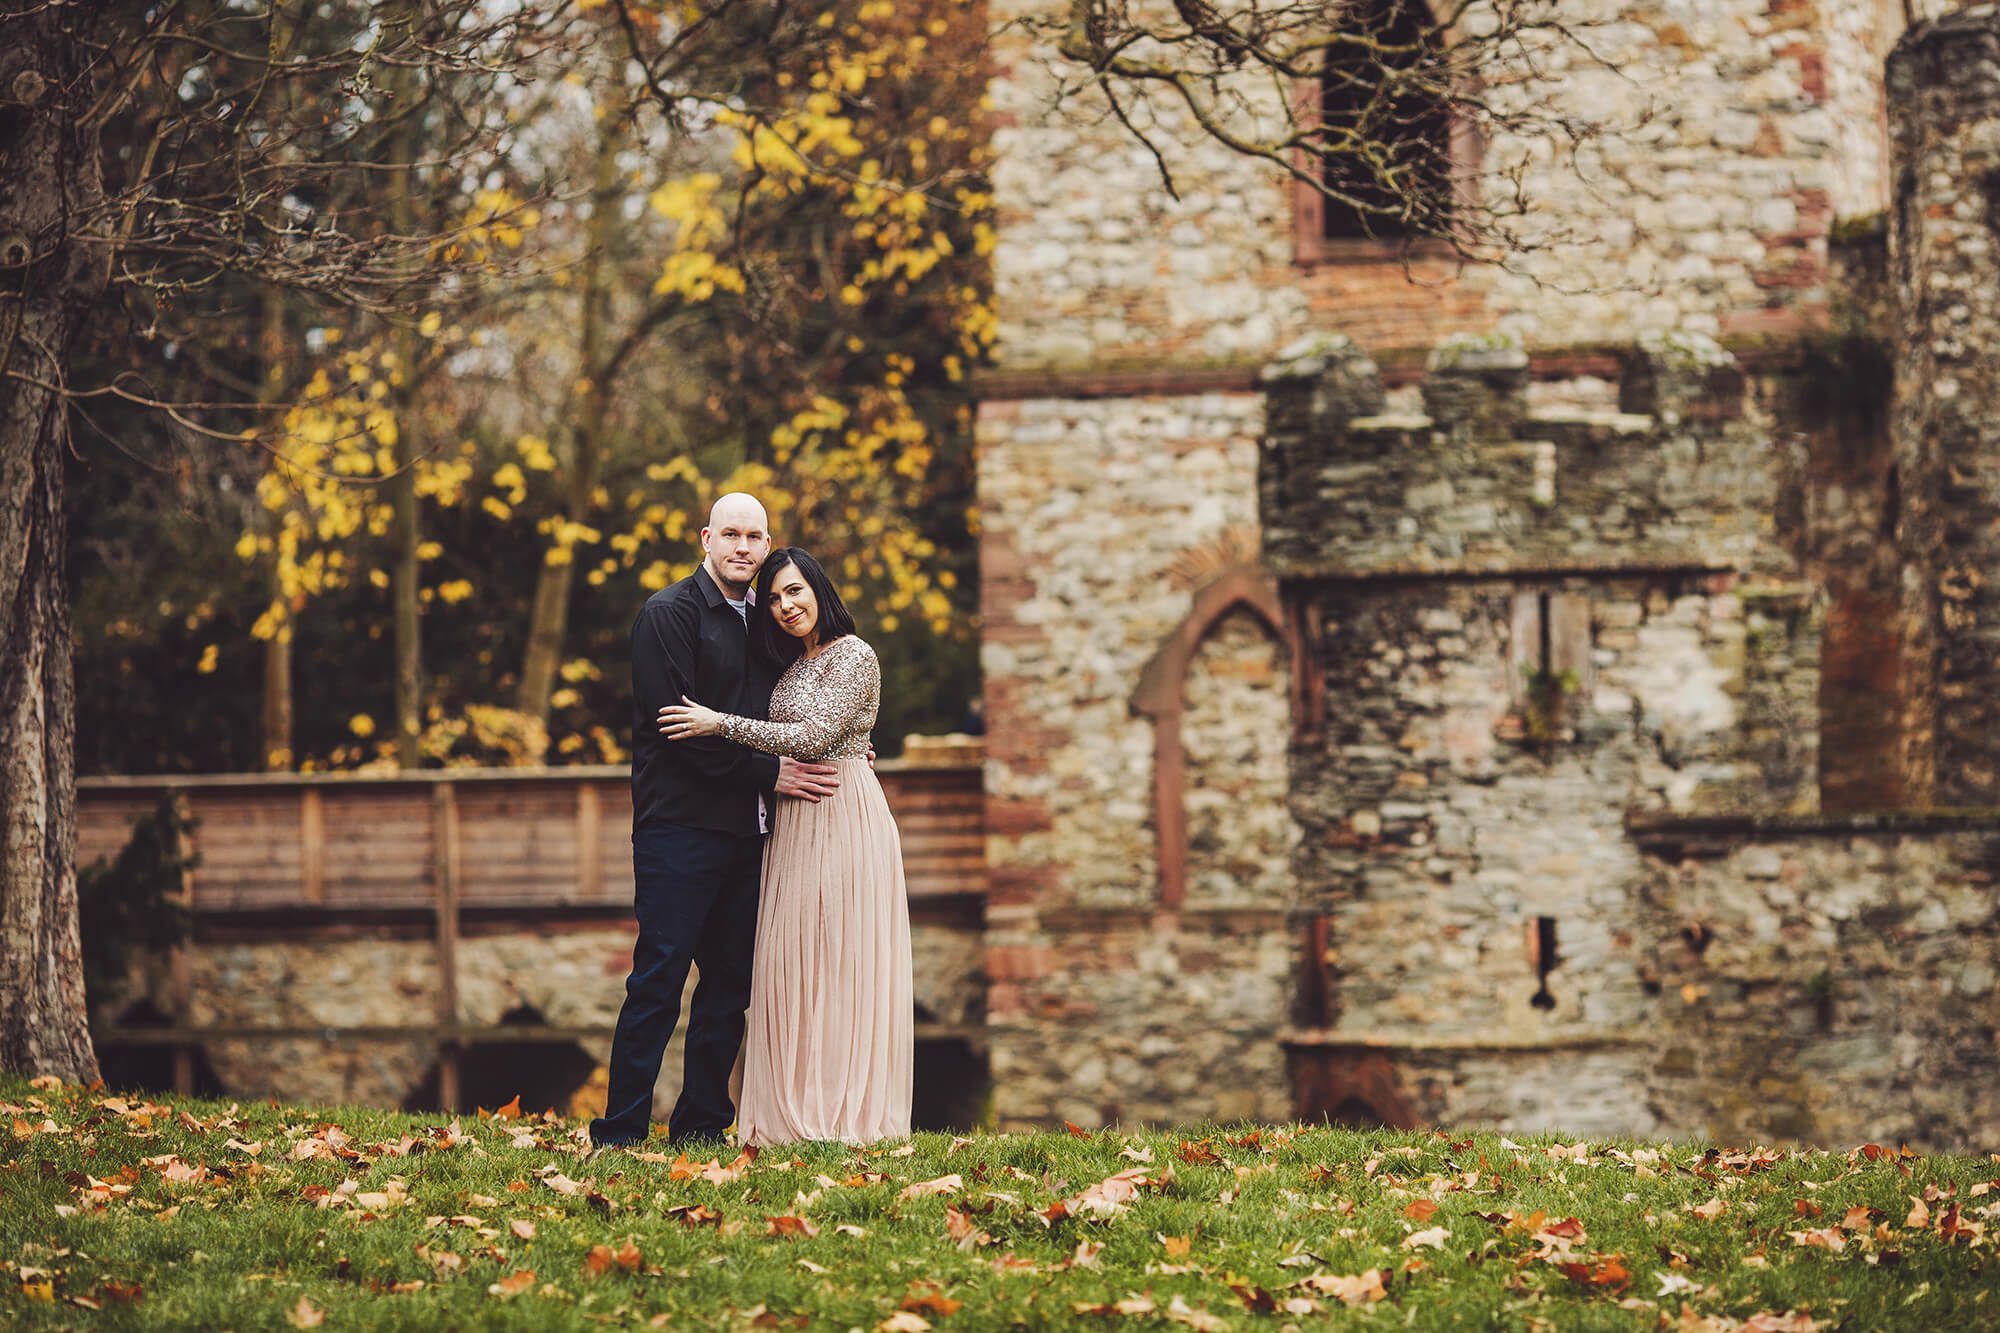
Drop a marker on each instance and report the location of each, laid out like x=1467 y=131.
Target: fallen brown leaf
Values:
x=927 y=1298
x=942 y=1185
x=1360 y=1289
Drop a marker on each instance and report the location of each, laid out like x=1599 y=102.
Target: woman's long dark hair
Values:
x=772 y=644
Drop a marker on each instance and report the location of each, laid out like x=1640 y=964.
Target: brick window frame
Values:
x=1312 y=247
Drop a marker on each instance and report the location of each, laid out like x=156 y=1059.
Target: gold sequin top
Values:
x=822 y=707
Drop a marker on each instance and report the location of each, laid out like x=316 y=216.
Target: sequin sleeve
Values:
x=842 y=704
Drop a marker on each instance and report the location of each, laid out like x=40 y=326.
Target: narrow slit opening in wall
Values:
x=1546 y=960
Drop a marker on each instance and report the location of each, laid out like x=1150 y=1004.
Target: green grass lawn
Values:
x=130 y=1213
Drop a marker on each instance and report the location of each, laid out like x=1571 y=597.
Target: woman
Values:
x=827 y=1053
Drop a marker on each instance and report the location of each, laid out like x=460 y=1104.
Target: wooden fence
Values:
x=287 y=855
x=480 y=838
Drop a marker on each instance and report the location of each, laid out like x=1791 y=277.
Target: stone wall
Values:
x=1102 y=522
x=1736 y=131
x=1097 y=522
x=568 y=978
x=1827 y=980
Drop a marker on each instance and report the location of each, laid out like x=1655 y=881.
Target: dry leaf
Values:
x=1920 y=1215
x=1420 y=1210
x=904 y=1322
x=1431 y=1238
x=926 y=1298
x=305 y=1315
x=1361 y=1289
x=790 y=1226
x=1180 y=1312
x=1825 y=1238
x=523 y=1228
x=942 y=1185
x=513 y=1285
x=1709 y=1211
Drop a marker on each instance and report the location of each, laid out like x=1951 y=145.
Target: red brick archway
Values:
x=1161 y=696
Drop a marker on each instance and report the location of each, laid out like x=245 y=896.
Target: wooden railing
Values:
x=488 y=838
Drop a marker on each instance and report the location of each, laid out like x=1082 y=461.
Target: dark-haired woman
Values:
x=827 y=1053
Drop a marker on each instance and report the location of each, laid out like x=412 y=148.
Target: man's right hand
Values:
x=808 y=782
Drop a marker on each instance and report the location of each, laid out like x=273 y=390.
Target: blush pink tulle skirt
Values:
x=827 y=1053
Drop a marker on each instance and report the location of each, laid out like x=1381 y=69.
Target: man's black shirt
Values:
x=688 y=640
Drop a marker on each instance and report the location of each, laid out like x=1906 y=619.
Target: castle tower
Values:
x=1944 y=121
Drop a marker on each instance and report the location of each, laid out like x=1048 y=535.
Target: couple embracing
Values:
x=753 y=699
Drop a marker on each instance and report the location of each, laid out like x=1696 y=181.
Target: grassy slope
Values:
x=256 y=1235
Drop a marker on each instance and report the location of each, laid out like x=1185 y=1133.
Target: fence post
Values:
x=445 y=849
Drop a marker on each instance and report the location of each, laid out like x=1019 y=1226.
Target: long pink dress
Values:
x=827 y=1052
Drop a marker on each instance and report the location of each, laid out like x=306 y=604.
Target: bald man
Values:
x=700 y=809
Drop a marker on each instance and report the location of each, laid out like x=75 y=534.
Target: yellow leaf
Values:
x=206 y=666
x=361 y=725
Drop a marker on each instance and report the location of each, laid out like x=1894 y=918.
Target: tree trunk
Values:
x=277 y=703
x=548 y=622
x=52 y=278
x=275 y=388
x=405 y=531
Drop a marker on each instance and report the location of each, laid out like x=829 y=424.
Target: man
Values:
x=699 y=810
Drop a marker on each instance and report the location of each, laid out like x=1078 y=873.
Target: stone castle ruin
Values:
x=1557 y=696
x=1616 y=680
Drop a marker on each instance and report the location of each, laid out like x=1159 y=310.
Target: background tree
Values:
x=647 y=342
x=141 y=161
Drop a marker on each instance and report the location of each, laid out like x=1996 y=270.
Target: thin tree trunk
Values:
x=405 y=532
x=548 y=622
x=274 y=388
x=49 y=278
x=277 y=709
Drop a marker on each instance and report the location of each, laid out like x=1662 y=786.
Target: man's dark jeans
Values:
x=695 y=895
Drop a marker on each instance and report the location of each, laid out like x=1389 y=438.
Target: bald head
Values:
x=739 y=507
x=735 y=542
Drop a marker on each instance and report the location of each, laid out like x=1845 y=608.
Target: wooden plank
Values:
x=312 y=846
x=444 y=837
x=589 y=834
x=180 y=973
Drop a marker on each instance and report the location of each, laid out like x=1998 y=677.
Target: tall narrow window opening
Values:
x=1385 y=125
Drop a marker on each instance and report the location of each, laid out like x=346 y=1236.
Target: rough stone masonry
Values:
x=1597 y=614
